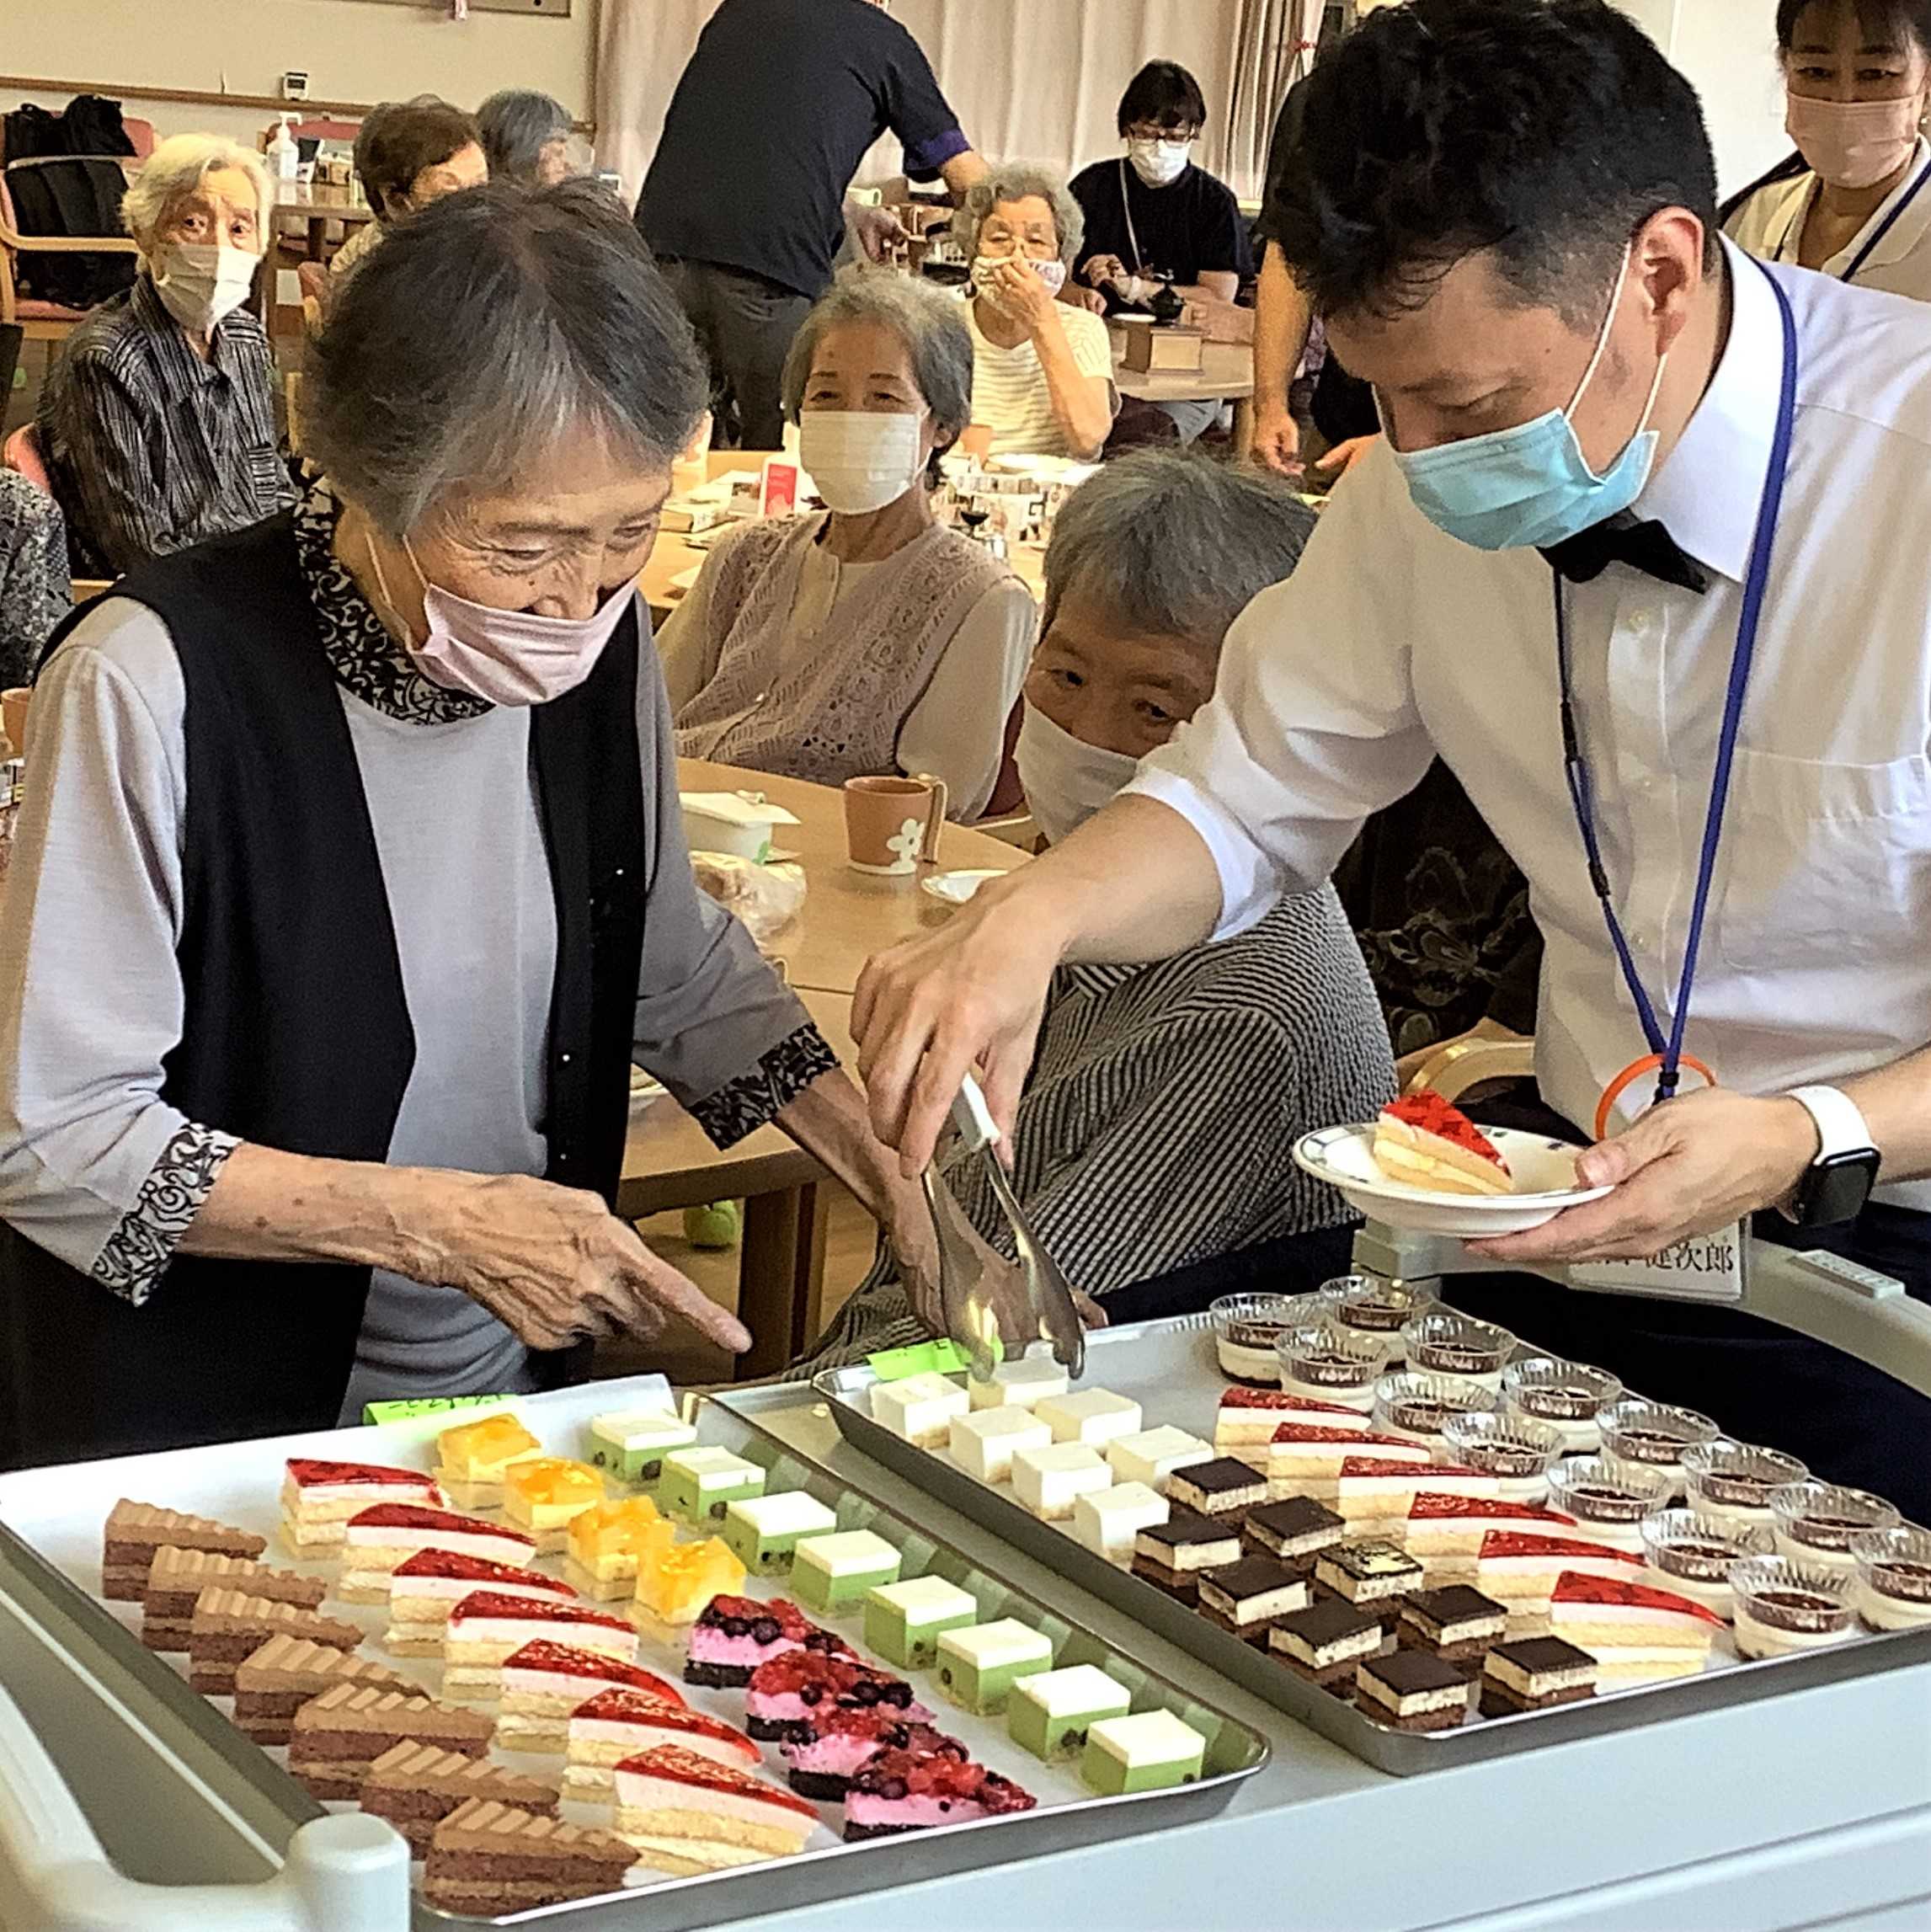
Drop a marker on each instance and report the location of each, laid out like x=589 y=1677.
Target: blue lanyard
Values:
x=1888 y=223
x=1576 y=766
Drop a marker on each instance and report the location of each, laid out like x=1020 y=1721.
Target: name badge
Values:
x=1708 y=1268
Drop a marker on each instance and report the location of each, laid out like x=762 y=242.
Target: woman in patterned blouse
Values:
x=1153 y=1154
x=354 y=878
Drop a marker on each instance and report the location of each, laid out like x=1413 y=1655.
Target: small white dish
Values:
x=956 y=888
x=645 y=1092
x=1543 y=1169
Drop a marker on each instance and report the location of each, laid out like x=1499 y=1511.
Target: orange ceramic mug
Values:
x=14 y=717
x=891 y=824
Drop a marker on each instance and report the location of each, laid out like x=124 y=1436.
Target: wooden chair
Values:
x=21 y=452
x=44 y=321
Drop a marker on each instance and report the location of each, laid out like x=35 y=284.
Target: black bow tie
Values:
x=1623 y=539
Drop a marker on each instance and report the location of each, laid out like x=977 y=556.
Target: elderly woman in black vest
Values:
x=351 y=880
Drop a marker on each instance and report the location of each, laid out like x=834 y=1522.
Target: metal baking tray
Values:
x=1169 y=1367
x=50 y=1532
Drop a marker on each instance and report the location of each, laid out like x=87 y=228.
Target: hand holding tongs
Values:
x=968 y=1290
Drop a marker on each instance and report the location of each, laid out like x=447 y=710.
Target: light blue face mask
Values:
x=1532 y=485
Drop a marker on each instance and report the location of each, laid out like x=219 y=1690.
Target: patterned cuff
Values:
x=138 y=1251
x=753 y=1099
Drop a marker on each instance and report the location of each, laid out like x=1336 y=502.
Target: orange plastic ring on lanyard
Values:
x=1633 y=1072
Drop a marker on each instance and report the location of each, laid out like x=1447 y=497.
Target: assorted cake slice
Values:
x=675 y=1581
x=416 y=1786
x=485 y=1629
x=1535 y=1673
x=543 y=1682
x=542 y=1495
x=1422 y=1140
x=1520 y=1569
x=177 y=1578
x=843 y=1740
x=1635 y=1633
x=733 y=1636
x=763 y=1532
x=136 y=1532
x=608 y=1543
x=1446 y=1532
x=1412 y=1690
x=229 y=1625
x=377 y=1540
x=1149 y=1751
x=1172 y=1555
x=487 y=1860
x=674 y=1793
x=912 y=1791
x=633 y=1447
x=471 y=1458
x=338 y=1735
x=1248 y=1418
x=318 y=1496
x=428 y=1586
x=786 y=1696
x=614 y=1725
x=273 y=1683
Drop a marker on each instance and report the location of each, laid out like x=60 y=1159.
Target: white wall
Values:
x=1728 y=48
x=352 y=50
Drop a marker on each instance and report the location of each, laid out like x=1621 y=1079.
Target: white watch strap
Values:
x=1840 y=1121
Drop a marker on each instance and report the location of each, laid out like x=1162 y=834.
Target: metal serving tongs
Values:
x=967 y=1292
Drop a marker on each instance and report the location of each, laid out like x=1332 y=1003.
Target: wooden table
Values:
x=318 y=203
x=670 y=1162
x=1226 y=371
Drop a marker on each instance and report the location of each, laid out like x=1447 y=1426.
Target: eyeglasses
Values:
x=1142 y=131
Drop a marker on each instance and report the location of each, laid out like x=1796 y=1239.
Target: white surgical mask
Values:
x=861 y=460
x=1065 y=779
x=1053 y=272
x=1159 y=164
x=201 y=282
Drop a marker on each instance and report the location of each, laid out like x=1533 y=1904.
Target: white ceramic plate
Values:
x=956 y=888
x=1544 y=1172
x=644 y=1092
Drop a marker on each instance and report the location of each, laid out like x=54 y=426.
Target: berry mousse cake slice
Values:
x=844 y=1741
x=785 y=1696
x=908 y=1790
x=733 y=1636
x=1422 y=1140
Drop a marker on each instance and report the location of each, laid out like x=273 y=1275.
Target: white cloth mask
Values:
x=201 y=282
x=861 y=460
x=1159 y=164
x=1053 y=272
x=1065 y=779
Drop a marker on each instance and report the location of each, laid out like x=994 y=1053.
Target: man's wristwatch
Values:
x=1838 y=1184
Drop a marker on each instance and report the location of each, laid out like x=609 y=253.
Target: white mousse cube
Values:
x=1021 y=1384
x=986 y=1442
x=1093 y=1415
x=1048 y=1480
x=1151 y=1455
x=1109 y=1519
x=919 y=1408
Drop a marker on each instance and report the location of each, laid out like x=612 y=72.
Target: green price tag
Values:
x=374 y=1413
x=923 y=1358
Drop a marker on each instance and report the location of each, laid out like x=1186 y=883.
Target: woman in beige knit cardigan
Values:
x=868 y=639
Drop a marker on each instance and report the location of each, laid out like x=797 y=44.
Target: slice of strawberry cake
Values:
x=618 y=1724
x=428 y=1586
x=486 y=1629
x=377 y=1540
x=1634 y=1632
x=1248 y=1417
x=1424 y=1141
x=544 y=1682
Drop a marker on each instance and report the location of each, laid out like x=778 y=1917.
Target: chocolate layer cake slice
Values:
x=488 y=1859
x=274 y=1683
x=416 y=1786
x=229 y=1627
x=338 y=1735
x=135 y=1531
x=178 y=1577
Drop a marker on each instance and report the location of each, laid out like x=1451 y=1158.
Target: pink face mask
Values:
x=1853 y=143
x=508 y=657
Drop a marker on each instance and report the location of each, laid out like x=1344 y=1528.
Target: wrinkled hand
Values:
x=967 y=995
x=1343 y=457
x=879 y=232
x=1020 y=292
x=1090 y=299
x=1686 y=1168
x=555 y=1265
x=1099 y=270
x=1277 y=438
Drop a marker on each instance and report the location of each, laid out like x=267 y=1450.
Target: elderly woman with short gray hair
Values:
x=527 y=137
x=352 y=881
x=1154 y=1153
x=870 y=639
x=1043 y=369
x=157 y=422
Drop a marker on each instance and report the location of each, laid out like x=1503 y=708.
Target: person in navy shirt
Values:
x=745 y=203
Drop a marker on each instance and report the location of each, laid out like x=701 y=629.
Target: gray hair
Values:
x=931 y=323
x=1175 y=544
x=518 y=124
x=175 y=169
x=482 y=333
x=1019 y=181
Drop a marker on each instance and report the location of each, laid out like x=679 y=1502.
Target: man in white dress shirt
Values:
x=1507 y=210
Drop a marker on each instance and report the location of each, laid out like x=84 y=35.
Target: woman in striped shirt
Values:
x=1154 y=1149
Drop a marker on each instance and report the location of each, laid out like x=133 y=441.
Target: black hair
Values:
x=1547 y=131
x=1163 y=94
x=1885 y=23
x=400 y=138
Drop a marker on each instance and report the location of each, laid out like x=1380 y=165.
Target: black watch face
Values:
x=1835 y=1190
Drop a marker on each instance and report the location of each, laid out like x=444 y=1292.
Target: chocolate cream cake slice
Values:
x=229 y=1627
x=274 y=1683
x=488 y=1859
x=416 y=1786
x=338 y=1735
x=137 y=1531
x=178 y=1577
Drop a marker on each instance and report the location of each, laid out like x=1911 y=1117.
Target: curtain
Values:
x=1273 y=41
x=1036 y=80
